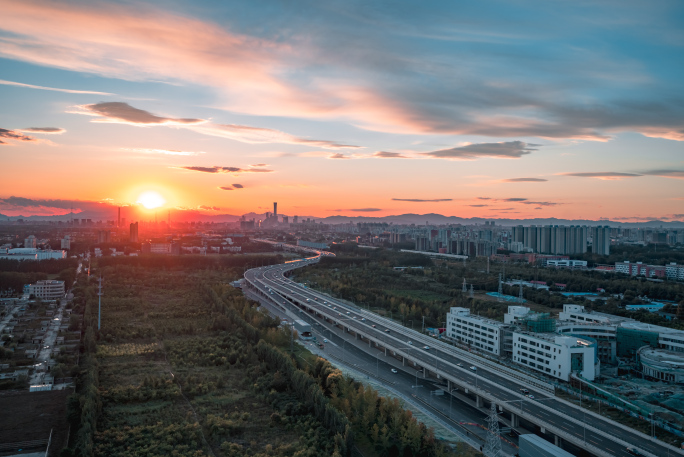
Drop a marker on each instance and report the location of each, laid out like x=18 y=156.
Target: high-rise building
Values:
x=66 y=242
x=118 y=220
x=134 y=232
x=275 y=210
x=104 y=236
x=600 y=239
x=30 y=242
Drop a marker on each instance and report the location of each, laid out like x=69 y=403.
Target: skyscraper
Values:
x=275 y=211
x=118 y=220
x=134 y=232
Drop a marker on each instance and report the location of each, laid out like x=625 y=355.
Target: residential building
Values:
x=672 y=271
x=66 y=242
x=600 y=238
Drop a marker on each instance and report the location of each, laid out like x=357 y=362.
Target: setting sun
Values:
x=151 y=200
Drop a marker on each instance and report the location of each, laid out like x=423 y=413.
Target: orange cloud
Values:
x=13 y=135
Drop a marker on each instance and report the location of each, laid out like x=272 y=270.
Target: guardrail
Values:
x=529 y=381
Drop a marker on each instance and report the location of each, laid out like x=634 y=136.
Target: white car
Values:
x=427 y=348
x=394 y=371
x=324 y=340
x=474 y=368
x=411 y=343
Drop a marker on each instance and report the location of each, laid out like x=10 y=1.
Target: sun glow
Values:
x=151 y=200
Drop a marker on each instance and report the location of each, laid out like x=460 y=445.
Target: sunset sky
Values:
x=512 y=109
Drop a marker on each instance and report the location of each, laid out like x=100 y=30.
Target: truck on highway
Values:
x=303 y=329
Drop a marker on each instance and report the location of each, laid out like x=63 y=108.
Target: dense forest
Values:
x=185 y=365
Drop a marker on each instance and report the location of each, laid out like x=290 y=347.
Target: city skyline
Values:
x=496 y=112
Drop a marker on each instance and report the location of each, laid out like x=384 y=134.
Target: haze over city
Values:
x=510 y=110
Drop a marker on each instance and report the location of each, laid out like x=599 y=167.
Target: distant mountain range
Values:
x=417 y=219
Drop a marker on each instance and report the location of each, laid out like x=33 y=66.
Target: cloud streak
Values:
x=603 y=175
x=503 y=150
x=123 y=113
x=45 y=130
x=217 y=169
x=525 y=180
x=388 y=155
x=420 y=200
x=14 y=135
x=54 y=89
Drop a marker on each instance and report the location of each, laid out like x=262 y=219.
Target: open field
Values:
x=29 y=416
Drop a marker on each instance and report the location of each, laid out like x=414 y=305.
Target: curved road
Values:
x=597 y=435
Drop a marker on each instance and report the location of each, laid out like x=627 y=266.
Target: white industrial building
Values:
x=567 y=263
x=556 y=355
x=47 y=289
x=31 y=254
x=661 y=364
x=515 y=313
x=476 y=331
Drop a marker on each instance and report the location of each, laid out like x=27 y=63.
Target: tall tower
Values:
x=275 y=210
x=118 y=220
x=493 y=442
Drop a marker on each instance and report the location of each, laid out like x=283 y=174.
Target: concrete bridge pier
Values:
x=515 y=420
x=557 y=441
x=478 y=401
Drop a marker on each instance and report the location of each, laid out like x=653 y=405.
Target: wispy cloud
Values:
x=388 y=155
x=677 y=174
x=525 y=180
x=54 y=89
x=170 y=152
x=477 y=206
x=232 y=187
x=616 y=175
x=14 y=135
x=123 y=113
x=503 y=150
x=337 y=155
x=402 y=92
x=46 y=130
x=420 y=200
x=603 y=175
x=365 y=210
x=217 y=169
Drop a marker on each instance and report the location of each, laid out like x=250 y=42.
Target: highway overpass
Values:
x=487 y=382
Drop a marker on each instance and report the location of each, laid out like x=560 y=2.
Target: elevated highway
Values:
x=483 y=380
